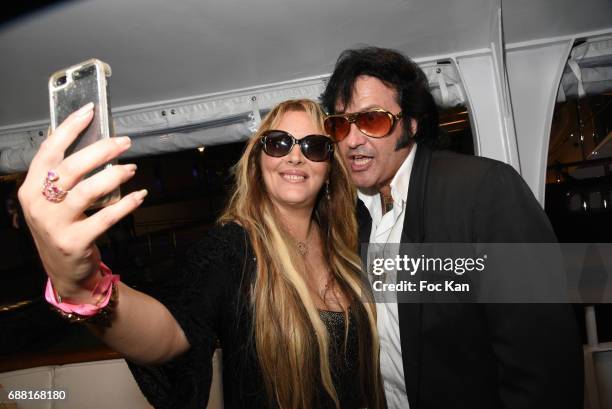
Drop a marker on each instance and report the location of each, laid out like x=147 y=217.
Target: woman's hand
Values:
x=64 y=235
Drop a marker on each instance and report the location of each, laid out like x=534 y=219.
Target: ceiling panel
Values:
x=163 y=50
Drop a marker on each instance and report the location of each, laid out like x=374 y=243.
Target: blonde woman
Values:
x=277 y=281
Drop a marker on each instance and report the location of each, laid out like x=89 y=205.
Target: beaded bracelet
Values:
x=99 y=313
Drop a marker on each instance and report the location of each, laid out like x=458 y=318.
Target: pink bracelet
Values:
x=104 y=288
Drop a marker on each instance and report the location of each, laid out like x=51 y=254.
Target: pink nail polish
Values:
x=85 y=109
x=141 y=194
x=123 y=140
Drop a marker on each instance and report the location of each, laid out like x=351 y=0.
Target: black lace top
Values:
x=209 y=298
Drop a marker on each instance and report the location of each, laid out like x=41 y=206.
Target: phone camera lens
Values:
x=60 y=81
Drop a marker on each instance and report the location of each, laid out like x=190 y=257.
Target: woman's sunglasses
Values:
x=317 y=148
x=376 y=123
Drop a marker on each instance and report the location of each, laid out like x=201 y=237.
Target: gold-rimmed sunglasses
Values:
x=376 y=123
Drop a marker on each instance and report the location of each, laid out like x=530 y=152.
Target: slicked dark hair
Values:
x=396 y=71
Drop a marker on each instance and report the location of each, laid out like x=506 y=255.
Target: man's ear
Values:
x=414 y=126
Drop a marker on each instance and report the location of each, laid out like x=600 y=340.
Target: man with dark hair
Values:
x=446 y=355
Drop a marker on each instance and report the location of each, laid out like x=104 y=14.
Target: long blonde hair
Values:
x=291 y=340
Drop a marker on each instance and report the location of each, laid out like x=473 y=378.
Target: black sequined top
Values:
x=209 y=297
x=343 y=359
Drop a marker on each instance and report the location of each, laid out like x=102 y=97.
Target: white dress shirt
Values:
x=387 y=228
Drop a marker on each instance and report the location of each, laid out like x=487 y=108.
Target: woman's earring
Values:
x=327 y=190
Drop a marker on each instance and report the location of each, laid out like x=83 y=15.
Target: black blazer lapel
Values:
x=364 y=221
x=414 y=230
x=410 y=314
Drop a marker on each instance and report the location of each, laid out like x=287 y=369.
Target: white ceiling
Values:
x=162 y=50
x=536 y=19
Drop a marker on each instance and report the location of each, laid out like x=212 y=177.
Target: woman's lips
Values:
x=293 y=176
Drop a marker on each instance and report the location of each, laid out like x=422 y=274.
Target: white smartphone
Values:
x=70 y=89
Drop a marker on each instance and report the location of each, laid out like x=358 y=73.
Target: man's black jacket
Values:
x=485 y=356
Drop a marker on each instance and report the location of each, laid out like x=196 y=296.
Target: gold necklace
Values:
x=302 y=246
x=329 y=285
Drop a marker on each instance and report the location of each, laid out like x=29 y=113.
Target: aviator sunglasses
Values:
x=317 y=148
x=375 y=122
